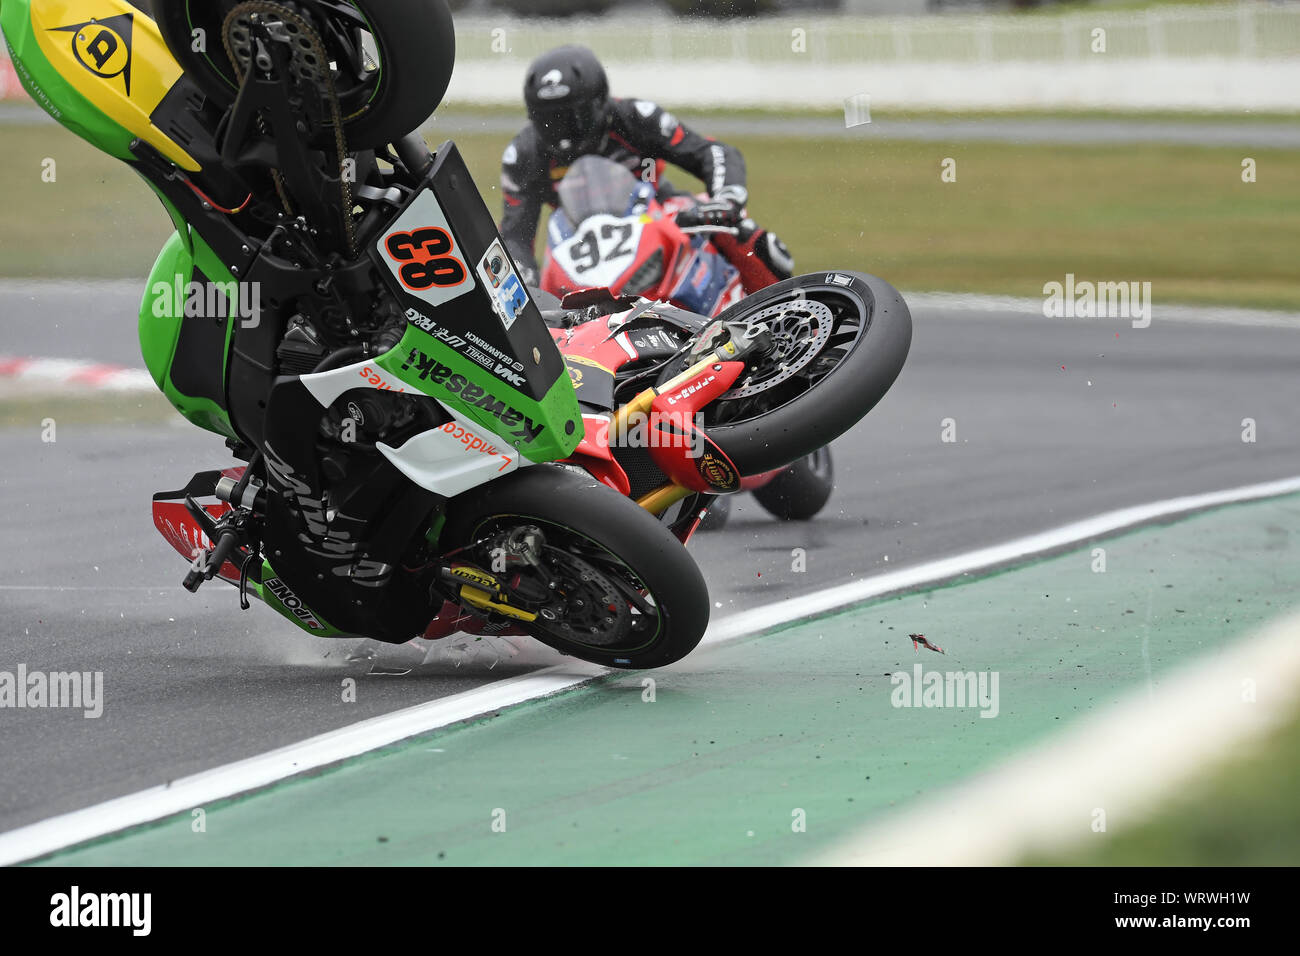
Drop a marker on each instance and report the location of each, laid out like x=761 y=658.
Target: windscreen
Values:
x=595 y=185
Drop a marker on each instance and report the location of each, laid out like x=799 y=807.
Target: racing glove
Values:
x=726 y=210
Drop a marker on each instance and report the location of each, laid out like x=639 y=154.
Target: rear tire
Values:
x=415 y=40
x=569 y=507
x=802 y=490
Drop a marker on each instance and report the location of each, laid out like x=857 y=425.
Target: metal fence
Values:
x=1238 y=30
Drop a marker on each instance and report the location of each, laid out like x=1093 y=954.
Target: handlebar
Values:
x=215 y=558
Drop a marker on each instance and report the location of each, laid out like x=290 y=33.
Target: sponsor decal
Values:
x=575 y=364
x=474 y=442
x=690 y=390
x=645 y=108
x=420 y=250
x=507 y=293
x=310 y=507
x=668 y=125
x=583 y=360
x=476 y=577
x=510 y=156
x=553 y=86
x=423 y=259
x=292 y=603
x=430 y=369
x=834 y=278
x=719 y=169
x=376 y=378
x=655 y=340
x=489 y=356
x=495 y=352
x=103 y=47
x=421 y=321
x=717 y=471
x=511 y=376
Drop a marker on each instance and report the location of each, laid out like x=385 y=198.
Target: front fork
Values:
x=743 y=344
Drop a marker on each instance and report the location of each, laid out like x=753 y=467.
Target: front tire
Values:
x=584 y=519
x=843 y=338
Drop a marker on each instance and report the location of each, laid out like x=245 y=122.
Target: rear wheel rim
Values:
x=344 y=31
x=565 y=553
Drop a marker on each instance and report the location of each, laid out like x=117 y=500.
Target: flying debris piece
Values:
x=920 y=639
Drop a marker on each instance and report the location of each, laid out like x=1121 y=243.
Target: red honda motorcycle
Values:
x=612 y=231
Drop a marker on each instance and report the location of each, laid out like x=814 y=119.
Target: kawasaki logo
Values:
x=291 y=602
x=430 y=369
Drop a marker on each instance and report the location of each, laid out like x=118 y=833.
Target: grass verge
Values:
x=90 y=408
x=1016 y=217
x=1243 y=813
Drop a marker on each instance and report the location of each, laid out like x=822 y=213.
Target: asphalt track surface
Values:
x=1055 y=420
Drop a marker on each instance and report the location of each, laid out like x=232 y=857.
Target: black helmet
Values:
x=567 y=94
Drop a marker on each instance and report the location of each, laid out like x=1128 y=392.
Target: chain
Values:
x=317 y=73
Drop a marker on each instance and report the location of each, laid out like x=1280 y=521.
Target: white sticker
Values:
x=421 y=251
x=453 y=458
x=553 y=87
x=501 y=282
x=603 y=249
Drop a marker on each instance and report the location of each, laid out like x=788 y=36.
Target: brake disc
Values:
x=593 y=610
x=800 y=329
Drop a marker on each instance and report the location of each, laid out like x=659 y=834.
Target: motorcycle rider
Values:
x=571 y=114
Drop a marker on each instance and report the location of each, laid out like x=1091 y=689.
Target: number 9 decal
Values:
x=426 y=259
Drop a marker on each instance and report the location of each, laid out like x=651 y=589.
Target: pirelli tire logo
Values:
x=292 y=603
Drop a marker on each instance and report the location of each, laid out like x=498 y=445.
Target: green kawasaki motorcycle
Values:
x=337 y=303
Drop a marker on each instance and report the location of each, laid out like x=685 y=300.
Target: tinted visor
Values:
x=569 y=128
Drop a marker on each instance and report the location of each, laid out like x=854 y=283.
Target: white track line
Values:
x=182 y=795
x=783 y=612
x=1015 y=307
x=1122 y=760
x=185 y=794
